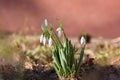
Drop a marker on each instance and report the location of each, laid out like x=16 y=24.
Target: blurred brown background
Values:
x=96 y=17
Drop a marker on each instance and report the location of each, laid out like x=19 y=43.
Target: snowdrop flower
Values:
x=50 y=42
x=46 y=22
x=41 y=38
x=44 y=40
x=59 y=31
x=83 y=41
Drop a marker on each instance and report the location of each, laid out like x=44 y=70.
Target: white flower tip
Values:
x=44 y=40
x=41 y=38
x=50 y=42
x=59 y=31
x=83 y=41
x=46 y=22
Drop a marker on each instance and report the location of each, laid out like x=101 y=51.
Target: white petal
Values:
x=83 y=41
x=46 y=22
x=50 y=42
x=41 y=38
x=44 y=40
x=59 y=31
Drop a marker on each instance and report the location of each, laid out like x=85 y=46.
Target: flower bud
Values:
x=83 y=41
x=46 y=22
x=59 y=31
x=50 y=42
x=41 y=38
x=44 y=40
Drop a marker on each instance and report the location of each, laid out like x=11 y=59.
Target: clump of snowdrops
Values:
x=63 y=52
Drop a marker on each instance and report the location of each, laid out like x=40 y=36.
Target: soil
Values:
x=89 y=72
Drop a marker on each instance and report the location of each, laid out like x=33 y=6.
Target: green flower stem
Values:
x=57 y=39
x=80 y=59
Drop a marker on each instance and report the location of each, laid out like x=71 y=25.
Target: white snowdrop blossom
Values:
x=41 y=38
x=50 y=42
x=46 y=22
x=44 y=40
x=59 y=31
x=83 y=41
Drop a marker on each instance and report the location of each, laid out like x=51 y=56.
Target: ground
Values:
x=22 y=57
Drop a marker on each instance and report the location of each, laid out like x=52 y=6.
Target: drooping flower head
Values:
x=44 y=40
x=41 y=38
x=45 y=23
x=50 y=42
x=59 y=31
x=83 y=41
